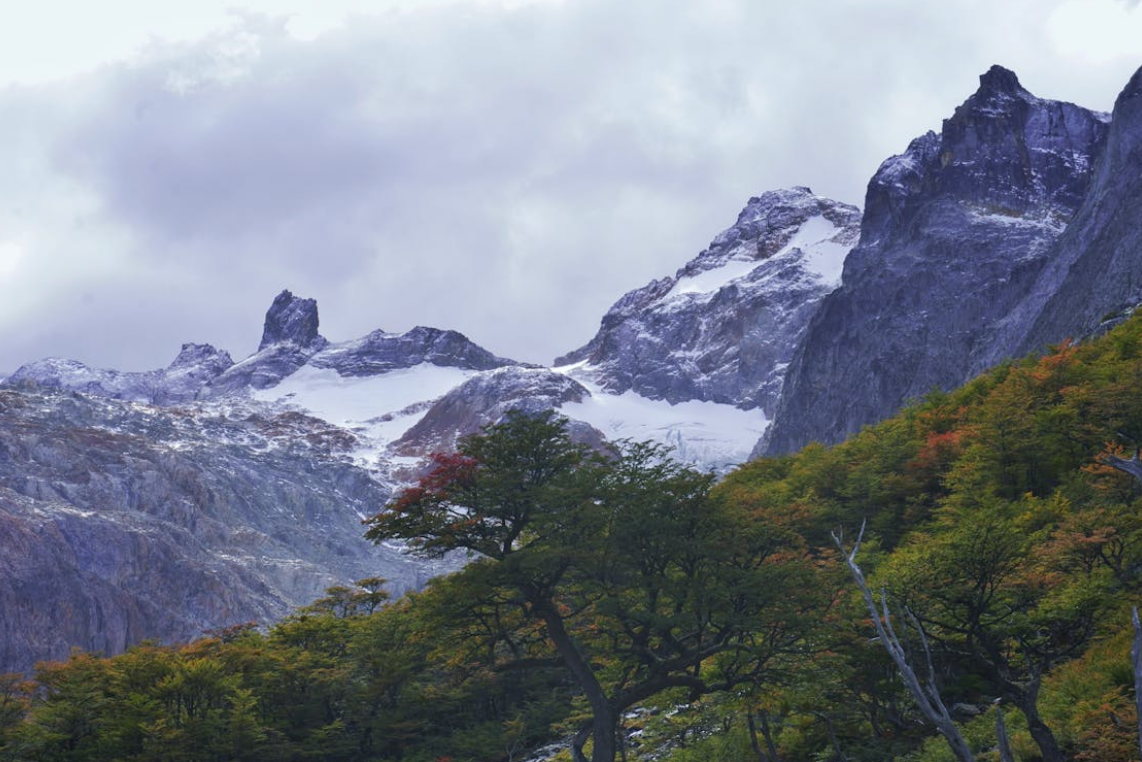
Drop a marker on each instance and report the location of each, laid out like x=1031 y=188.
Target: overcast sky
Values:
x=507 y=169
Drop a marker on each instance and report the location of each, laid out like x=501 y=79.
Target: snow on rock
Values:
x=703 y=434
x=955 y=232
x=724 y=327
x=195 y=365
x=378 y=409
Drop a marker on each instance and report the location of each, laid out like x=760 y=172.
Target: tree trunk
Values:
x=753 y=742
x=1136 y=653
x=1041 y=734
x=838 y=752
x=1001 y=737
x=767 y=733
x=604 y=719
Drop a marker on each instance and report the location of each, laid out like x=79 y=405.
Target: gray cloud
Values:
x=505 y=173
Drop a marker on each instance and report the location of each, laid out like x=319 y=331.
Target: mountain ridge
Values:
x=955 y=231
x=805 y=312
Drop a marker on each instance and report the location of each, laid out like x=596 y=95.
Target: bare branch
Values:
x=1131 y=465
x=1001 y=736
x=1137 y=654
x=934 y=710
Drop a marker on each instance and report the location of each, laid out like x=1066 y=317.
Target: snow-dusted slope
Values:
x=378 y=409
x=705 y=434
x=956 y=233
x=195 y=366
x=725 y=326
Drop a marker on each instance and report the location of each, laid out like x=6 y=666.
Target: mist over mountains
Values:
x=211 y=492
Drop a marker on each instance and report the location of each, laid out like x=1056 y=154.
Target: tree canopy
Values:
x=617 y=566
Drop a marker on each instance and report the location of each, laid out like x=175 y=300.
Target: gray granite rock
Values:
x=485 y=399
x=724 y=327
x=1094 y=277
x=122 y=521
x=955 y=232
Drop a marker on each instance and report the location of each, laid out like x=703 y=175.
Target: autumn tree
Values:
x=619 y=567
x=995 y=604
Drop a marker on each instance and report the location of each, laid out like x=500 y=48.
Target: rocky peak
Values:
x=1018 y=153
x=1095 y=273
x=485 y=399
x=724 y=326
x=955 y=231
x=998 y=81
x=293 y=320
x=202 y=355
x=380 y=352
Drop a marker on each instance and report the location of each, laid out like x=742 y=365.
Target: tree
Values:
x=983 y=589
x=927 y=696
x=618 y=567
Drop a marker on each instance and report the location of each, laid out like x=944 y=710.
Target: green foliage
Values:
x=616 y=567
x=701 y=621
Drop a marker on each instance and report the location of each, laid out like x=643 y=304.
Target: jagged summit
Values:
x=1094 y=277
x=193 y=355
x=722 y=328
x=955 y=231
x=999 y=80
x=290 y=341
x=291 y=319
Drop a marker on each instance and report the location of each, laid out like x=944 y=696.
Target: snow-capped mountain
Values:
x=724 y=327
x=161 y=504
x=181 y=381
x=210 y=492
x=955 y=232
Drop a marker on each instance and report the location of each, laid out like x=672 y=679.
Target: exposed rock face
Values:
x=121 y=522
x=723 y=328
x=955 y=232
x=195 y=366
x=289 y=339
x=1095 y=273
x=261 y=370
x=381 y=352
x=291 y=320
x=487 y=398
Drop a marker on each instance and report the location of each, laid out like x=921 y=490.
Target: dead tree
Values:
x=1001 y=735
x=1131 y=465
x=1136 y=652
x=927 y=697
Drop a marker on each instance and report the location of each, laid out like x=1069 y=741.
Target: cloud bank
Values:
x=507 y=171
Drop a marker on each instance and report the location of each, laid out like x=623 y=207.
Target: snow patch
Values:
x=707 y=434
x=379 y=409
x=709 y=281
x=821 y=256
x=349 y=400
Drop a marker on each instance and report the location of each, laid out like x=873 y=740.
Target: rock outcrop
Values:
x=955 y=232
x=1094 y=277
x=381 y=352
x=121 y=522
x=724 y=327
x=292 y=320
x=485 y=399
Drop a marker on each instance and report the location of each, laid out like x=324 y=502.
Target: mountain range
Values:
x=213 y=492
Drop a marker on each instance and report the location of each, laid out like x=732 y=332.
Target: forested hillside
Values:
x=622 y=605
